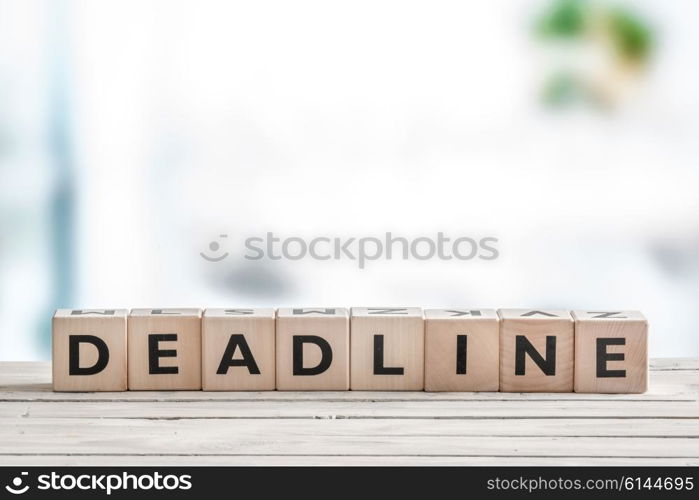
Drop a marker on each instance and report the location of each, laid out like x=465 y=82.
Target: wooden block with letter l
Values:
x=313 y=349
x=536 y=350
x=462 y=350
x=89 y=350
x=611 y=352
x=237 y=350
x=387 y=349
x=164 y=349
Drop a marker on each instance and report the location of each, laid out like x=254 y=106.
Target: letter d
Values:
x=74 y=342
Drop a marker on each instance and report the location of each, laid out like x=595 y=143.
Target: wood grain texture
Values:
x=479 y=370
x=107 y=325
x=367 y=409
x=402 y=332
x=330 y=460
x=626 y=375
x=219 y=326
x=536 y=328
x=329 y=324
x=301 y=439
x=184 y=353
x=42 y=427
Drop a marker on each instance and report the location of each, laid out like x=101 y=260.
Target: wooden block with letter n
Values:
x=536 y=350
x=462 y=350
x=611 y=351
x=89 y=349
x=238 y=350
x=388 y=349
x=313 y=349
x=164 y=349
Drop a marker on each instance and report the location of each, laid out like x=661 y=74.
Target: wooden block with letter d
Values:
x=462 y=350
x=536 y=350
x=313 y=349
x=237 y=350
x=387 y=349
x=611 y=351
x=89 y=349
x=164 y=349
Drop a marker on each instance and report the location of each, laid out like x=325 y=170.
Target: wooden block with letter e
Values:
x=237 y=350
x=611 y=351
x=387 y=349
x=536 y=350
x=89 y=349
x=313 y=349
x=462 y=350
x=164 y=349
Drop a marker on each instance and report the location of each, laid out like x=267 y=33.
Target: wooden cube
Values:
x=387 y=349
x=89 y=350
x=164 y=349
x=611 y=351
x=536 y=350
x=313 y=346
x=238 y=350
x=462 y=350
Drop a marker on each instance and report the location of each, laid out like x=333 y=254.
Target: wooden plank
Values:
x=662 y=364
x=314 y=460
x=674 y=393
x=670 y=385
x=38 y=426
x=118 y=436
x=643 y=428
x=440 y=410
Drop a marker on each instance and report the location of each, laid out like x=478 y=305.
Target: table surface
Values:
x=42 y=427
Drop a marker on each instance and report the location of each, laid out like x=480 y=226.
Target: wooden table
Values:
x=40 y=427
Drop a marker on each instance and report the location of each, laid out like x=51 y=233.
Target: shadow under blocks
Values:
x=340 y=349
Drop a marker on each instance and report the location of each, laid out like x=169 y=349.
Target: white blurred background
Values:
x=132 y=134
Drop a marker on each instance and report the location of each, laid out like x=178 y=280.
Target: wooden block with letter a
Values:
x=313 y=348
x=387 y=349
x=89 y=349
x=237 y=350
x=462 y=350
x=611 y=351
x=164 y=349
x=536 y=350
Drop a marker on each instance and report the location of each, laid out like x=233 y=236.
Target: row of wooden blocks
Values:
x=367 y=348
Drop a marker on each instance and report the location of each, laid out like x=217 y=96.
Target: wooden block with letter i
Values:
x=313 y=349
x=89 y=350
x=164 y=349
x=387 y=349
x=462 y=350
x=536 y=350
x=611 y=352
x=238 y=350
